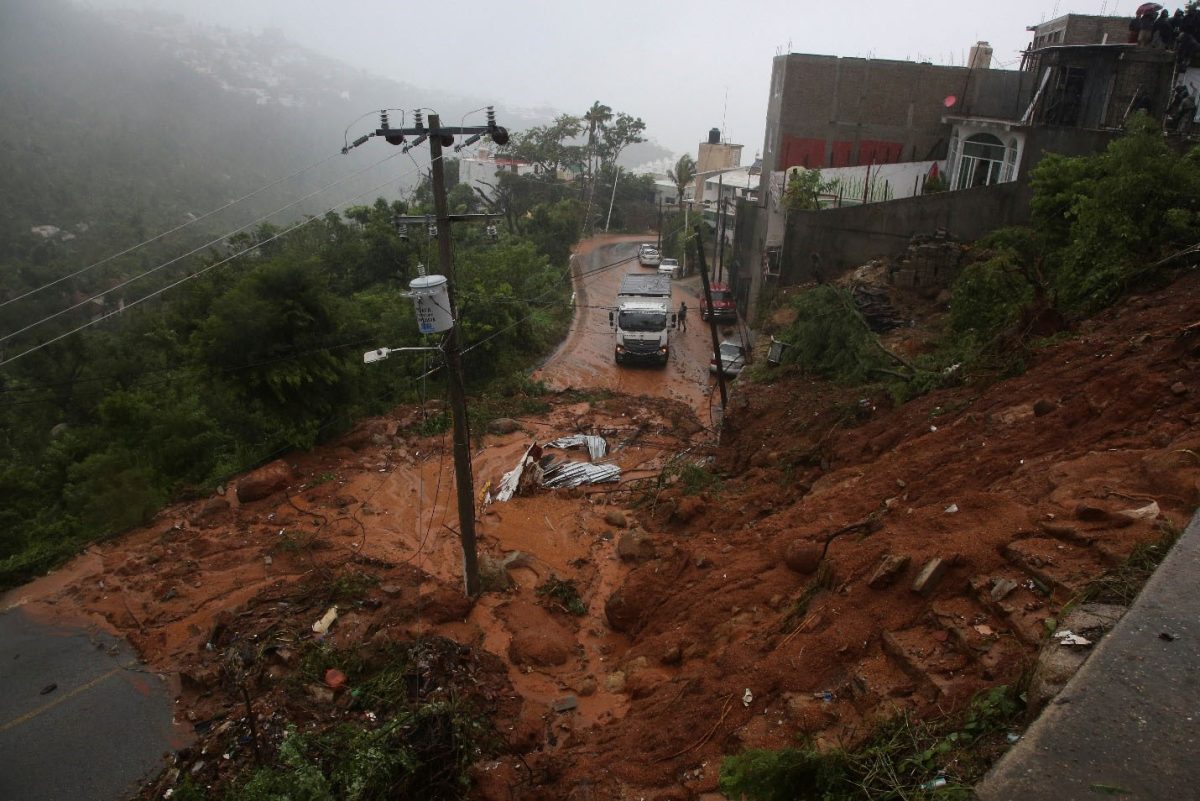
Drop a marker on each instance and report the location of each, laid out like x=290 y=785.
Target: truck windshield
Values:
x=642 y=321
x=719 y=295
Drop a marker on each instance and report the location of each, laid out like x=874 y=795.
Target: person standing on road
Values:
x=683 y=316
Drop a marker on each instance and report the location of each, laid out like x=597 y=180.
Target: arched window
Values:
x=981 y=163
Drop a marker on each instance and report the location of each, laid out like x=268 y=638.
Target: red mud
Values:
x=703 y=606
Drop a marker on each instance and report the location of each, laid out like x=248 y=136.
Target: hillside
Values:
x=116 y=126
x=762 y=573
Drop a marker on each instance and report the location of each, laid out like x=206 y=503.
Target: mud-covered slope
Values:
x=791 y=577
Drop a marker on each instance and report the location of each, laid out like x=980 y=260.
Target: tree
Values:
x=682 y=174
x=804 y=188
x=596 y=118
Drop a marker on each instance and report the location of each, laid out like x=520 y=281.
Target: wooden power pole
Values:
x=439 y=138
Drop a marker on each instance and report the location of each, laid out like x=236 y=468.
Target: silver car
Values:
x=733 y=358
x=669 y=267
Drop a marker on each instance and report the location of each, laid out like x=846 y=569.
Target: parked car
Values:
x=733 y=358
x=669 y=267
x=724 y=307
x=648 y=255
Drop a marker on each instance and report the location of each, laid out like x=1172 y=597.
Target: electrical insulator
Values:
x=432 y=231
x=383 y=118
x=402 y=232
x=492 y=234
x=420 y=118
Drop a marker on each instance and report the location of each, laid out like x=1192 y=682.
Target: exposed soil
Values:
x=778 y=602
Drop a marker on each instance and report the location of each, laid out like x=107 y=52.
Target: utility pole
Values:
x=712 y=319
x=438 y=138
x=463 y=477
x=660 y=222
x=613 y=199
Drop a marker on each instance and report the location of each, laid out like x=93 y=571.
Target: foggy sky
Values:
x=670 y=62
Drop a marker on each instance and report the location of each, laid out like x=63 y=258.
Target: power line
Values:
x=166 y=233
x=197 y=249
x=190 y=276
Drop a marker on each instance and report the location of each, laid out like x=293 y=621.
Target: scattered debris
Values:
x=930 y=575
x=952 y=509
x=49 y=688
x=564 y=704
x=1068 y=637
x=1168 y=636
x=321 y=627
x=597 y=448
x=747 y=697
x=1148 y=512
x=572 y=474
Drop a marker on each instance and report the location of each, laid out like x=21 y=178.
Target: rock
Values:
x=335 y=679
x=643 y=683
x=1043 y=407
x=1001 y=587
x=542 y=645
x=672 y=656
x=1179 y=388
x=616 y=518
x=889 y=568
x=927 y=580
x=1056 y=663
x=1090 y=513
x=264 y=481
x=444 y=605
x=587 y=686
x=615 y=682
x=319 y=693
x=493 y=574
x=503 y=425
x=635 y=546
x=803 y=556
x=391 y=590
x=564 y=704
x=1015 y=414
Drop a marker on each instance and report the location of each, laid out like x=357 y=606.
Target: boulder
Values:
x=803 y=556
x=546 y=645
x=503 y=425
x=264 y=481
x=616 y=518
x=635 y=546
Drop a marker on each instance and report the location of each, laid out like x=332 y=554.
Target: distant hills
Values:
x=115 y=126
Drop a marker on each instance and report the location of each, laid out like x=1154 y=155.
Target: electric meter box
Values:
x=431 y=299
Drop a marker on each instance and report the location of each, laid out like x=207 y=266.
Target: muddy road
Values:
x=585 y=358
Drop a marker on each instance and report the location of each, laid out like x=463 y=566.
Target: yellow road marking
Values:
x=28 y=716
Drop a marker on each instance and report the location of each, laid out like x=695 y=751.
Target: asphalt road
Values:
x=97 y=735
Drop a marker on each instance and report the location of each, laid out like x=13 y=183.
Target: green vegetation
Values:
x=410 y=745
x=903 y=759
x=1100 y=225
x=564 y=593
x=243 y=363
x=1122 y=584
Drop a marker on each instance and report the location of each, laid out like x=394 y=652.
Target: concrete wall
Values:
x=1073 y=29
x=848 y=237
x=826 y=111
x=745 y=258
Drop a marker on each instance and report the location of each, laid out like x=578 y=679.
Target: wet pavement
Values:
x=586 y=357
x=80 y=716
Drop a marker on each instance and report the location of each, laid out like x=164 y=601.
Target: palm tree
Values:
x=683 y=174
x=596 y=118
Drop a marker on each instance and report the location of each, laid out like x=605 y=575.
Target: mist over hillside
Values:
x=117 y=125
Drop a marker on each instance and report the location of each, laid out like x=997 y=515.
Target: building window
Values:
x=982 y=162
x=1010 y=161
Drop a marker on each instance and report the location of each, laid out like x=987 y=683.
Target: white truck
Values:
x=643 y=319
